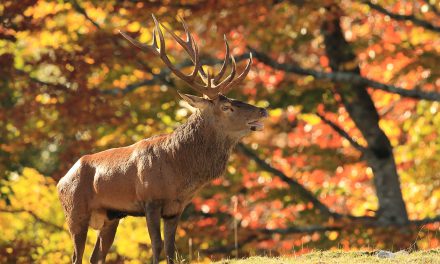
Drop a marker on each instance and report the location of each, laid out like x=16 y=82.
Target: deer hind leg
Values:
x=152 y=213
x=104 y=242
x=78 y=218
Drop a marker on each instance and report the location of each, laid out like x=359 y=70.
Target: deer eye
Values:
x=226 y=108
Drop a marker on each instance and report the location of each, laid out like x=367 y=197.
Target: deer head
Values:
x=230 y=116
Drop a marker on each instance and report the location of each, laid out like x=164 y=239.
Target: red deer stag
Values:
x=157 y=177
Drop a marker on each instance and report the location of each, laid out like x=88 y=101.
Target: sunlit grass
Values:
x=341 y=257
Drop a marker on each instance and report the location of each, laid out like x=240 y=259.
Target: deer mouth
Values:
x=256 y=125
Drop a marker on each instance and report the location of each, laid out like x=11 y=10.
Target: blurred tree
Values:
x=360 y=106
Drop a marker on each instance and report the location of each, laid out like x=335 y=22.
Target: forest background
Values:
x=349 y=158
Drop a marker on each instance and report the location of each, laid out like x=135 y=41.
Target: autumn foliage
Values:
x=349 y=158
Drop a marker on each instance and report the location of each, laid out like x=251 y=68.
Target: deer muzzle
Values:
x=258 y=125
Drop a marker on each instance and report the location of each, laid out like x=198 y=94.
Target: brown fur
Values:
x=156 y=177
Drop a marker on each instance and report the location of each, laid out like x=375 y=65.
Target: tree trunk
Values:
x=357 y=101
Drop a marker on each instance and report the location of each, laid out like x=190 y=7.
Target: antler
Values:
x=212 y=86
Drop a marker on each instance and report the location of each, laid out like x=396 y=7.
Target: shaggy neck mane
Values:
x=200 y=150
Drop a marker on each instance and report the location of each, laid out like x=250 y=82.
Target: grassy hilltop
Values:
x=340 y=257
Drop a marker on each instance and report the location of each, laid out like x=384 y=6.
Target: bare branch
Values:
x=416 y=21
x=55 y=86
x=333 y=76
x=131 y=87
x=264 y=233
x=300 y=229
x=302 y=191
x=231 y=247
x=346 y=77
x=343 y=133
x=83 y=12
x=425 y=221
x=35 y=216
x=433 y=7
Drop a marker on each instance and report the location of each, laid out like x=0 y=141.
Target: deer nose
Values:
x=263 y=112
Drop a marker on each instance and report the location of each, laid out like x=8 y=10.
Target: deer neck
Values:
x=200 y=150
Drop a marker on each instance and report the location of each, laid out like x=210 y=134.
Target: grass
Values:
x=341 y=257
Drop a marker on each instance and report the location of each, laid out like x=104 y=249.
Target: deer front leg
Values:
x=152 y=213
x=170 y=226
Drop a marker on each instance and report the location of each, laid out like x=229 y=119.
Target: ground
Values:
x=340 y=257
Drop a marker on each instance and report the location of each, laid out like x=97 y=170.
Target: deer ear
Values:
x=195 y=101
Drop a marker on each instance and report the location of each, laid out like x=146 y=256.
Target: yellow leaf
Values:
x=333 y=235
x=275 y=112
x=133 y=27
x=311 y=119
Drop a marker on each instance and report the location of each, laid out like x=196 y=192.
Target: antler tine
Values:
x=198 y=67
x=231 y=76
x=162 y=53
x=190 y=38
x=161 y=38
x=154 y=42
x=190 y=46
x=209 y=80
x=187 y=45
x=225 y=62
x=142 y=46
x=240 y=78
x=192 y=49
